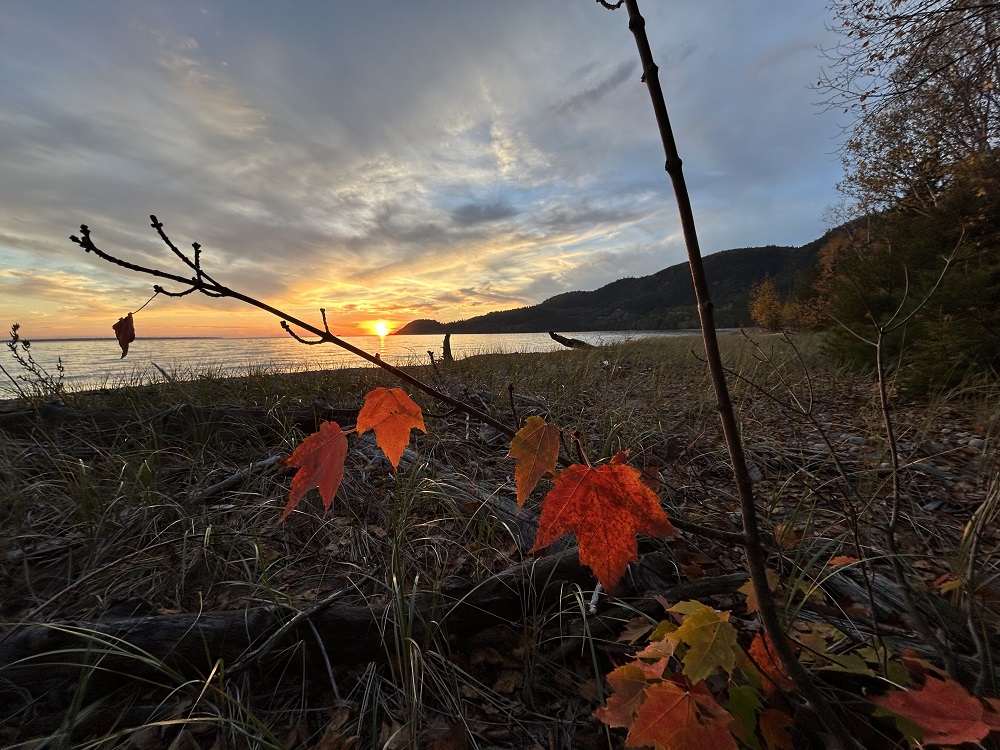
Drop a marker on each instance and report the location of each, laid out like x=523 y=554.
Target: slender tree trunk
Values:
x=752 y=540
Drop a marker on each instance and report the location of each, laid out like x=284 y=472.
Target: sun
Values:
x=381 y=328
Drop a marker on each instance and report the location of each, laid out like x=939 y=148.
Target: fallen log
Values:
x=51 y=662
x=571 y=343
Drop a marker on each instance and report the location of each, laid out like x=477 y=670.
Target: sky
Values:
x=390 y=159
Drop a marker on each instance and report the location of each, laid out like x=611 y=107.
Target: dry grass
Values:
x=108 y=522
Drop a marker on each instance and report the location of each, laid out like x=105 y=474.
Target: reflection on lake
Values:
x=96 y=362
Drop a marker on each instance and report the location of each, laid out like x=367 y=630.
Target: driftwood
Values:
x=571 y=343
x=224 y=422
x=49 y=661
x=233 y=480
x=446 y=349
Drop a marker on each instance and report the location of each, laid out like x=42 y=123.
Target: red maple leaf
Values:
x=606 y=507
x=320 y=458
x=125 y=332
x=946 y=711
x=392 y=414
x=535 y=447
x=629 y=682
x=680 y=717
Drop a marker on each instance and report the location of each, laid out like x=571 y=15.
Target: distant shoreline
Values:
x=146 y=338
x=87 y=362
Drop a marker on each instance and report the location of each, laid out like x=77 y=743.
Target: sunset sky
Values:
x=389 y=159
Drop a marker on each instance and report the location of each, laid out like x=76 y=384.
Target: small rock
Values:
x=977 y=443
x=856 y=440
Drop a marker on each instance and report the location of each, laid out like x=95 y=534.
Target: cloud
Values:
x=592 y=95
x=204 y=96
x=469 y=214
x=425 y=158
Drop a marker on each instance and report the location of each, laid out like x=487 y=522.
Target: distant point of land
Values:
x=421 y=326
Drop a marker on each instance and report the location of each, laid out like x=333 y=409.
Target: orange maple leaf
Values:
x=629 y=682
x=320 y=458
x=125 y=332
x=836 y=562
x=661 y=649
x=606 y=507
x=635 y=628
x=535 y=447
x=774 y=729
x=680 y=717
x=392 y=414
x=772 y=672
x=748 y=590
x=946 y=711
x=992 y=714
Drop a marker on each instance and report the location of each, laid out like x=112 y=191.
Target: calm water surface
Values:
x=96 y=363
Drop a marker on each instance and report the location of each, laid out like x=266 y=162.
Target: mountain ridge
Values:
x=660 y=301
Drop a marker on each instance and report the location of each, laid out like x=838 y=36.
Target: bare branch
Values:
x=205 y=284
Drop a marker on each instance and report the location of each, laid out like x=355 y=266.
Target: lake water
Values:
x=95 y=363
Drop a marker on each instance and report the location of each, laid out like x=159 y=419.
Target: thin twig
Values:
x=155 y=294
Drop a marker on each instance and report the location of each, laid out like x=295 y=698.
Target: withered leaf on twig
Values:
x=125 y=332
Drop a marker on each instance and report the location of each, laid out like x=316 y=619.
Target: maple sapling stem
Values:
x=510 y=395
x=581 y=454
x=752 y=545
